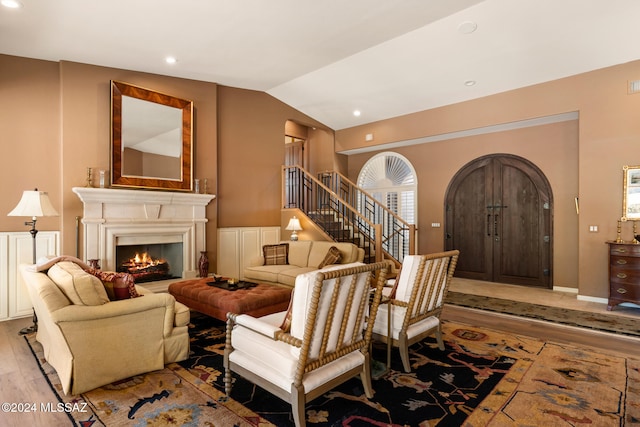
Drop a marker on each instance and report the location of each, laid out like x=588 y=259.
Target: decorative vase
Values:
x=203 y=264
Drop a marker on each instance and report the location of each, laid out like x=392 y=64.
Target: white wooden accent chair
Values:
x=414 y=303
x=332 y=314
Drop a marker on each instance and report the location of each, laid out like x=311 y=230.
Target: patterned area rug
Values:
x=584 y=319
x=484 y=377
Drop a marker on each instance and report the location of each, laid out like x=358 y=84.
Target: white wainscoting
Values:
x=17 y=248
x=237 y=246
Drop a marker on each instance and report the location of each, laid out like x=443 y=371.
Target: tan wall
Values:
x=251 y=151
x=30 y=136
x=553 y=148
x=58 y=114
x=85 y=93
x=608 y=135
x=142 y=164
x=55 y=124
x=296 y=130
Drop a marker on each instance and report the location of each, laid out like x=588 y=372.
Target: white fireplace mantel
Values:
x=119 y=214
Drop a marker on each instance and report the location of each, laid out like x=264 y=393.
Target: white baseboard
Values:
x=593 y=299
x=565 y=289
x=606 y=301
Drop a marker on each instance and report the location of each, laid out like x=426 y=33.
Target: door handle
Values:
x=488 y=224
x=495 y=225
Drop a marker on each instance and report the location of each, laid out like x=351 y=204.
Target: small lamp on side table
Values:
x=34 y=204
x=294 y=225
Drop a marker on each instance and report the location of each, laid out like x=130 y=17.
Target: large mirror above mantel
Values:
x=151 y=139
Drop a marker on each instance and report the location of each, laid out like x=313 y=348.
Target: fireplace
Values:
x=119 y=222
x=150 y=262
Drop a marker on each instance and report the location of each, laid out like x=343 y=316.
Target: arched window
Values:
x=391 y=180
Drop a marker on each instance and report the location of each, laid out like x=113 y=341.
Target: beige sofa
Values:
x=93 y=345
x=304 y=256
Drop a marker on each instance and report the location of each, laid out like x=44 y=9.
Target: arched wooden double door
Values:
x=499 y=212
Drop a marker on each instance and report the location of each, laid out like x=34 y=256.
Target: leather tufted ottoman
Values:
x=258 y=301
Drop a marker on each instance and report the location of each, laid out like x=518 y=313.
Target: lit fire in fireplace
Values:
x=141 y=262
x=145 y=268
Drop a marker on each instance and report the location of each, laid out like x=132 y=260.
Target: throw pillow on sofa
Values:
x=119 y=286
x=79 y=286
x=333 y=257
x=276 y=254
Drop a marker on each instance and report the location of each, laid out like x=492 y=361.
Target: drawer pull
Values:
x=621 y=291
x=621 y=261
x=621 y=276
x=621 y=250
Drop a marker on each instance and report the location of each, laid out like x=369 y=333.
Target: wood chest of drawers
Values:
x=624 y=273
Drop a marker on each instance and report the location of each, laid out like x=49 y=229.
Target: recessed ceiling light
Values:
x=467 y=27
x=170 y=60
x=470 y=83
x=356 y=113
x=13 y=4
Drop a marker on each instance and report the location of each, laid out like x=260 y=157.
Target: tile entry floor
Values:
x=552 y=298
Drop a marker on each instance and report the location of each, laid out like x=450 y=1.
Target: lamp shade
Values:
x=294 y=224
x=34 y=204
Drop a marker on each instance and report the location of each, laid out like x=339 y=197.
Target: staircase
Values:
x=346 y=213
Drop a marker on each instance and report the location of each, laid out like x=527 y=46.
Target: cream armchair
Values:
x=331 y=318
x=93 y=345
x=414 y=304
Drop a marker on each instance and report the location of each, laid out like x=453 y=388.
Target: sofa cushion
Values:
x=299 y=253
x=333 y=256
x=265 y=273
x=79 y=286
x=288 y=276
x=276 y=254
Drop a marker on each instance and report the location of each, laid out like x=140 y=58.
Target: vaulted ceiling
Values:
x=328 y=58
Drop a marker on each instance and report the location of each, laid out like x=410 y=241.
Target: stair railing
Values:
x=303 y=191
x=335 y=214
x=397 y=234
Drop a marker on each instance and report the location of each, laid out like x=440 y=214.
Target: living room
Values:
x=68 y=121
x=580 y=130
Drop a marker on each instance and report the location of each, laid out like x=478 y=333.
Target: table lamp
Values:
x=294 y=225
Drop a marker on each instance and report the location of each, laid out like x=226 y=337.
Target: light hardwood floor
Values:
x=22 y=382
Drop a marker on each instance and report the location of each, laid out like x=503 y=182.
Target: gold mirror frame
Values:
x=631 y=193
x=119 y=178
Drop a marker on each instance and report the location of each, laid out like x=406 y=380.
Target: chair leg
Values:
x=228 y=381
x=297 y=406
x=403 y=347
x=226 y=363
x=365 y=377
x=439 y=338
